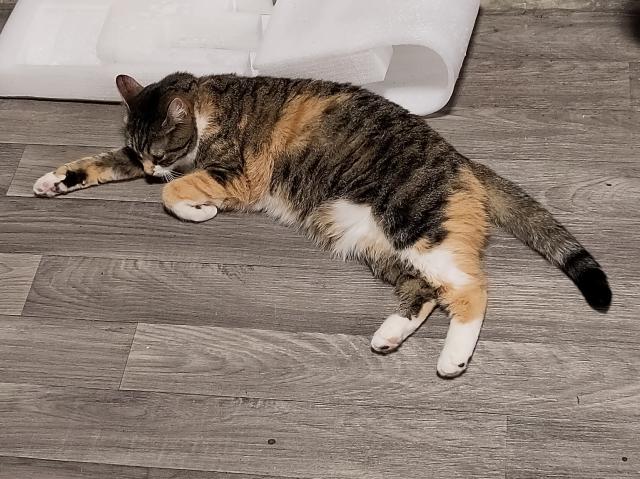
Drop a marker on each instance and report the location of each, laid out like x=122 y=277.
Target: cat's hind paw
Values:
x=50 y=185
x=189 y=211
x=392 y=333
x=451 y=367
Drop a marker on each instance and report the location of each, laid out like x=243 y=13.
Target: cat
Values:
x=360 y=175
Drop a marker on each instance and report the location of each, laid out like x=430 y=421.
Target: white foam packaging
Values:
x=410 y=51
x=73 y=49
x=350 y=41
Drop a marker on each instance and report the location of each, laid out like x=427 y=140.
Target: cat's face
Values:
x=159 y=127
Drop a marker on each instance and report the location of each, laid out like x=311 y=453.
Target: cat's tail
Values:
x=518 y=213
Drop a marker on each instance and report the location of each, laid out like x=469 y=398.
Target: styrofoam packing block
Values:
x=429 y=40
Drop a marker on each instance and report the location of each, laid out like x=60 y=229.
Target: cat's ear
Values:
x=128 y=87
x=177 y=113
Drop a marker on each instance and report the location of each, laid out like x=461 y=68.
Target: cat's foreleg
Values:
x=116 y=165
x=417 y=301
x=198 y=196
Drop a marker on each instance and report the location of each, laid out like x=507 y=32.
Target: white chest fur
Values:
x=277 y=208
x=354 y=229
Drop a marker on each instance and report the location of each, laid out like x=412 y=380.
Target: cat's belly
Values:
x=345 y=228
x=351 y=229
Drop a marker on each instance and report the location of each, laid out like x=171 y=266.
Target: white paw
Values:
x=50 y=185
x=393 y=332
x=451 y=366
x=189 y=211
x=458 y=347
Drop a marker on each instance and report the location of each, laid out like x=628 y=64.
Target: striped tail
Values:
x=518 y=213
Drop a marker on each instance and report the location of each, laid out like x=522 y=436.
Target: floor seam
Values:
x=126 y=363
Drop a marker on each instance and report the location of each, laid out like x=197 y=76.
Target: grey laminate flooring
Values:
x=136 y=346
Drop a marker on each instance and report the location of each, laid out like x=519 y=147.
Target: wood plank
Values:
x=27 y=468
x=16 y=275
x=558 y=135
x=337 y=297
x=553 y=34
x=233 y=434
x=60 y=122
x=146 y=231
x=504 y=378
x=528 y=5
x=597 y=188
x=9 y=159
x=574 y=447
x=40 y=159
x=5 y=11
x=63 y=352
x=634 y=72
x=576 y=187
x=156 y=473
x=343 y=298
x=544 y=84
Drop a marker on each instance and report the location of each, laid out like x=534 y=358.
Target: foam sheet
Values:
x=73 y=49
x=410 y=51
x=340 y=40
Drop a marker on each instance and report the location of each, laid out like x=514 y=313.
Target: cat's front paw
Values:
x=50 y=185
x=189 y=211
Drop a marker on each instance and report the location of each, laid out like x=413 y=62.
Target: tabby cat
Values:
x=360 y=175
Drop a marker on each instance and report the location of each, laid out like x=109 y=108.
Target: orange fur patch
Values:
x=467 y=225
x=201 y=188
x=206 y=113
x=466 y=304
x=95 y=171
x=300 y=117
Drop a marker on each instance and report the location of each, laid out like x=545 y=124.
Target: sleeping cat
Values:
x=360 y=175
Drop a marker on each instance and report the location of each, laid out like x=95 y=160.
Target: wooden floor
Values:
x=135 y=346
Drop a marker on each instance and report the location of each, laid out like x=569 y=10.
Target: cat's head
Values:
x=159 y=124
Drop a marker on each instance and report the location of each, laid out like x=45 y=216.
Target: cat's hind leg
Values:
x=462 y=293
x=454 y=266
x=466 y=307
x=116 y=165
x=417 y=301
x=398 y=327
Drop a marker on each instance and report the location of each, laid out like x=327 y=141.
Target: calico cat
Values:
x=360 y=175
